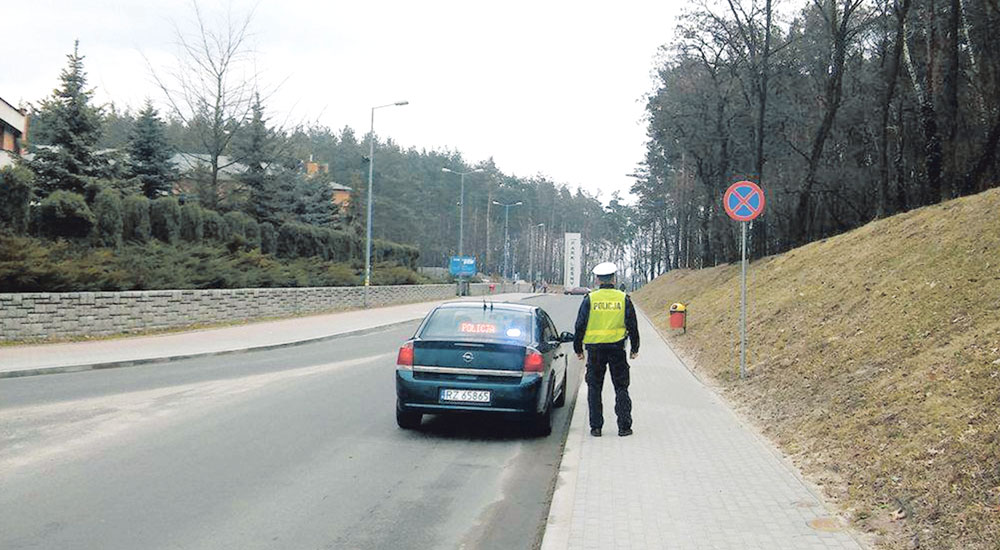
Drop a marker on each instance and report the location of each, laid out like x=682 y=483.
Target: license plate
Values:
x=466 y=396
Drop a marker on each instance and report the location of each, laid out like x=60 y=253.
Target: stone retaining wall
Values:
x=51 y=315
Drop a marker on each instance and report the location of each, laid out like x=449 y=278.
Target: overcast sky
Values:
x=544 y=87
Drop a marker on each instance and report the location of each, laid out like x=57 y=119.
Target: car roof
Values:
x=509 y=306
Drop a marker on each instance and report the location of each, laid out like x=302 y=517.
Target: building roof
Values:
x=189 y=162
x=12 y=116
x=5 y=102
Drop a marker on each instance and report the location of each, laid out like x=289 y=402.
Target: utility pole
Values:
x=371 y=175
x=489 y=202
x=531 y=253
x=506 y=235
x=461 y=206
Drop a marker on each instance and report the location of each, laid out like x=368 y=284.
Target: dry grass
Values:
x=874 y=361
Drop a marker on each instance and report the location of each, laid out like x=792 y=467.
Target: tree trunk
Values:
x=949 y=104
x=972 y=182
x=720 y=247
x=759 y=239
x=839 y=29
x=928 y=120
x=897 y=160
x=706 y=241
x=892 y=76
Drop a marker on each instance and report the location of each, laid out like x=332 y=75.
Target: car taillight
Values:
x=405 y=356
x=533 y=361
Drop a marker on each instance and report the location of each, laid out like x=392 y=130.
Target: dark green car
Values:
x=494 y=357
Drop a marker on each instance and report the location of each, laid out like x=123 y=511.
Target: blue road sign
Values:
x=462 y=266
x=743 y=201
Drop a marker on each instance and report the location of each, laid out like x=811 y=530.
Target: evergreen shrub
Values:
x=16 y=190
x=165 y=219
x=268 y=239
x=65 y=214
x=136 y=226
x=252 y=231
x=192 y=223
x=109 y=214
x=214 y=226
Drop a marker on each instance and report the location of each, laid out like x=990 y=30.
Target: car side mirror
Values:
x=566 y=337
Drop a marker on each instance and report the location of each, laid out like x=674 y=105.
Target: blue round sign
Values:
x=743 y=201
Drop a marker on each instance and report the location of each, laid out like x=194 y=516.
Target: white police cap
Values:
x=605 y=269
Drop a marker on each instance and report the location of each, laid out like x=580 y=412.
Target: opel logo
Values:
x=468 y=357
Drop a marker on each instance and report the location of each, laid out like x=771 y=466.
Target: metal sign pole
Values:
x=743 y=201
x=743 y=308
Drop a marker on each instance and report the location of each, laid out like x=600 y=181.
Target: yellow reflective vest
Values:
x=606 y=323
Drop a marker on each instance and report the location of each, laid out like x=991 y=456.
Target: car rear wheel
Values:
x=561 y=400
x=541 y=423
x=408 y=420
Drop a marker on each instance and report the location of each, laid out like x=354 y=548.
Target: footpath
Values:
x=692 y=476
x=126 y=351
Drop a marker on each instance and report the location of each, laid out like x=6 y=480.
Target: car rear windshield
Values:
x=476 y=323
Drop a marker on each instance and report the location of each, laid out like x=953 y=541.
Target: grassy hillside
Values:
x=874 y=361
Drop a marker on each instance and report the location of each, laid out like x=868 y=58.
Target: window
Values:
x=476 y=323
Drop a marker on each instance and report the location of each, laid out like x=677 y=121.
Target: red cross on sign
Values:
x=743 y=201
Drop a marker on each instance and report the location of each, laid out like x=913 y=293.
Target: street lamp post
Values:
x=506 y=234
x=371 y=175
x=461 y=206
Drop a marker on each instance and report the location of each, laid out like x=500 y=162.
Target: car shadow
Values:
x=476 y=427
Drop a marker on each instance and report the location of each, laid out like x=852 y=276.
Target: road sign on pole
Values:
x=743 y=201
x=571 y=261
x=462 y=266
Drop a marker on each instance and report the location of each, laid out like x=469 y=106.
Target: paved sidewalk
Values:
x=691 y=477
x=75 y=356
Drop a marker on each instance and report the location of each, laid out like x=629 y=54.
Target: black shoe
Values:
x=624 y=432
x=596 y=432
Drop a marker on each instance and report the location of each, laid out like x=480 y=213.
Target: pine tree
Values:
x=74 y=129
x=149 y=154
x=269 y=199
x=314 y=201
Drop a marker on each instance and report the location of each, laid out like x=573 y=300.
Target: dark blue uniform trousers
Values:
x=600 y=359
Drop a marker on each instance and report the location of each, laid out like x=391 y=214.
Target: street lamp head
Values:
x=479 y=170
x=518 y=203
x=401 y=103
x=497 y=203
x=445 y=170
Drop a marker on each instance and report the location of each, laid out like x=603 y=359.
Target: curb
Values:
x=560 y=518
x=171 y=358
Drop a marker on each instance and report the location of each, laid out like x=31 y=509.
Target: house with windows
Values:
x=13 y=132
x=192 y=167
x=341 y=194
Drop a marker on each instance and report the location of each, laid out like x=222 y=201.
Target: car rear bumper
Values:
x=424 y=396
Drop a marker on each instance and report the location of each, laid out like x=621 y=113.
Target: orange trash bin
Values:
x=678 y=316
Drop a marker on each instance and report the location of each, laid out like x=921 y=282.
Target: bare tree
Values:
x=755 y=42
x=842 y=27
x=212 y=87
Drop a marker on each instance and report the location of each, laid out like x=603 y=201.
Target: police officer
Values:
x=606 y=317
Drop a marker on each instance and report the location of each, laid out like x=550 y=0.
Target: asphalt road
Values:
x=290 y=448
